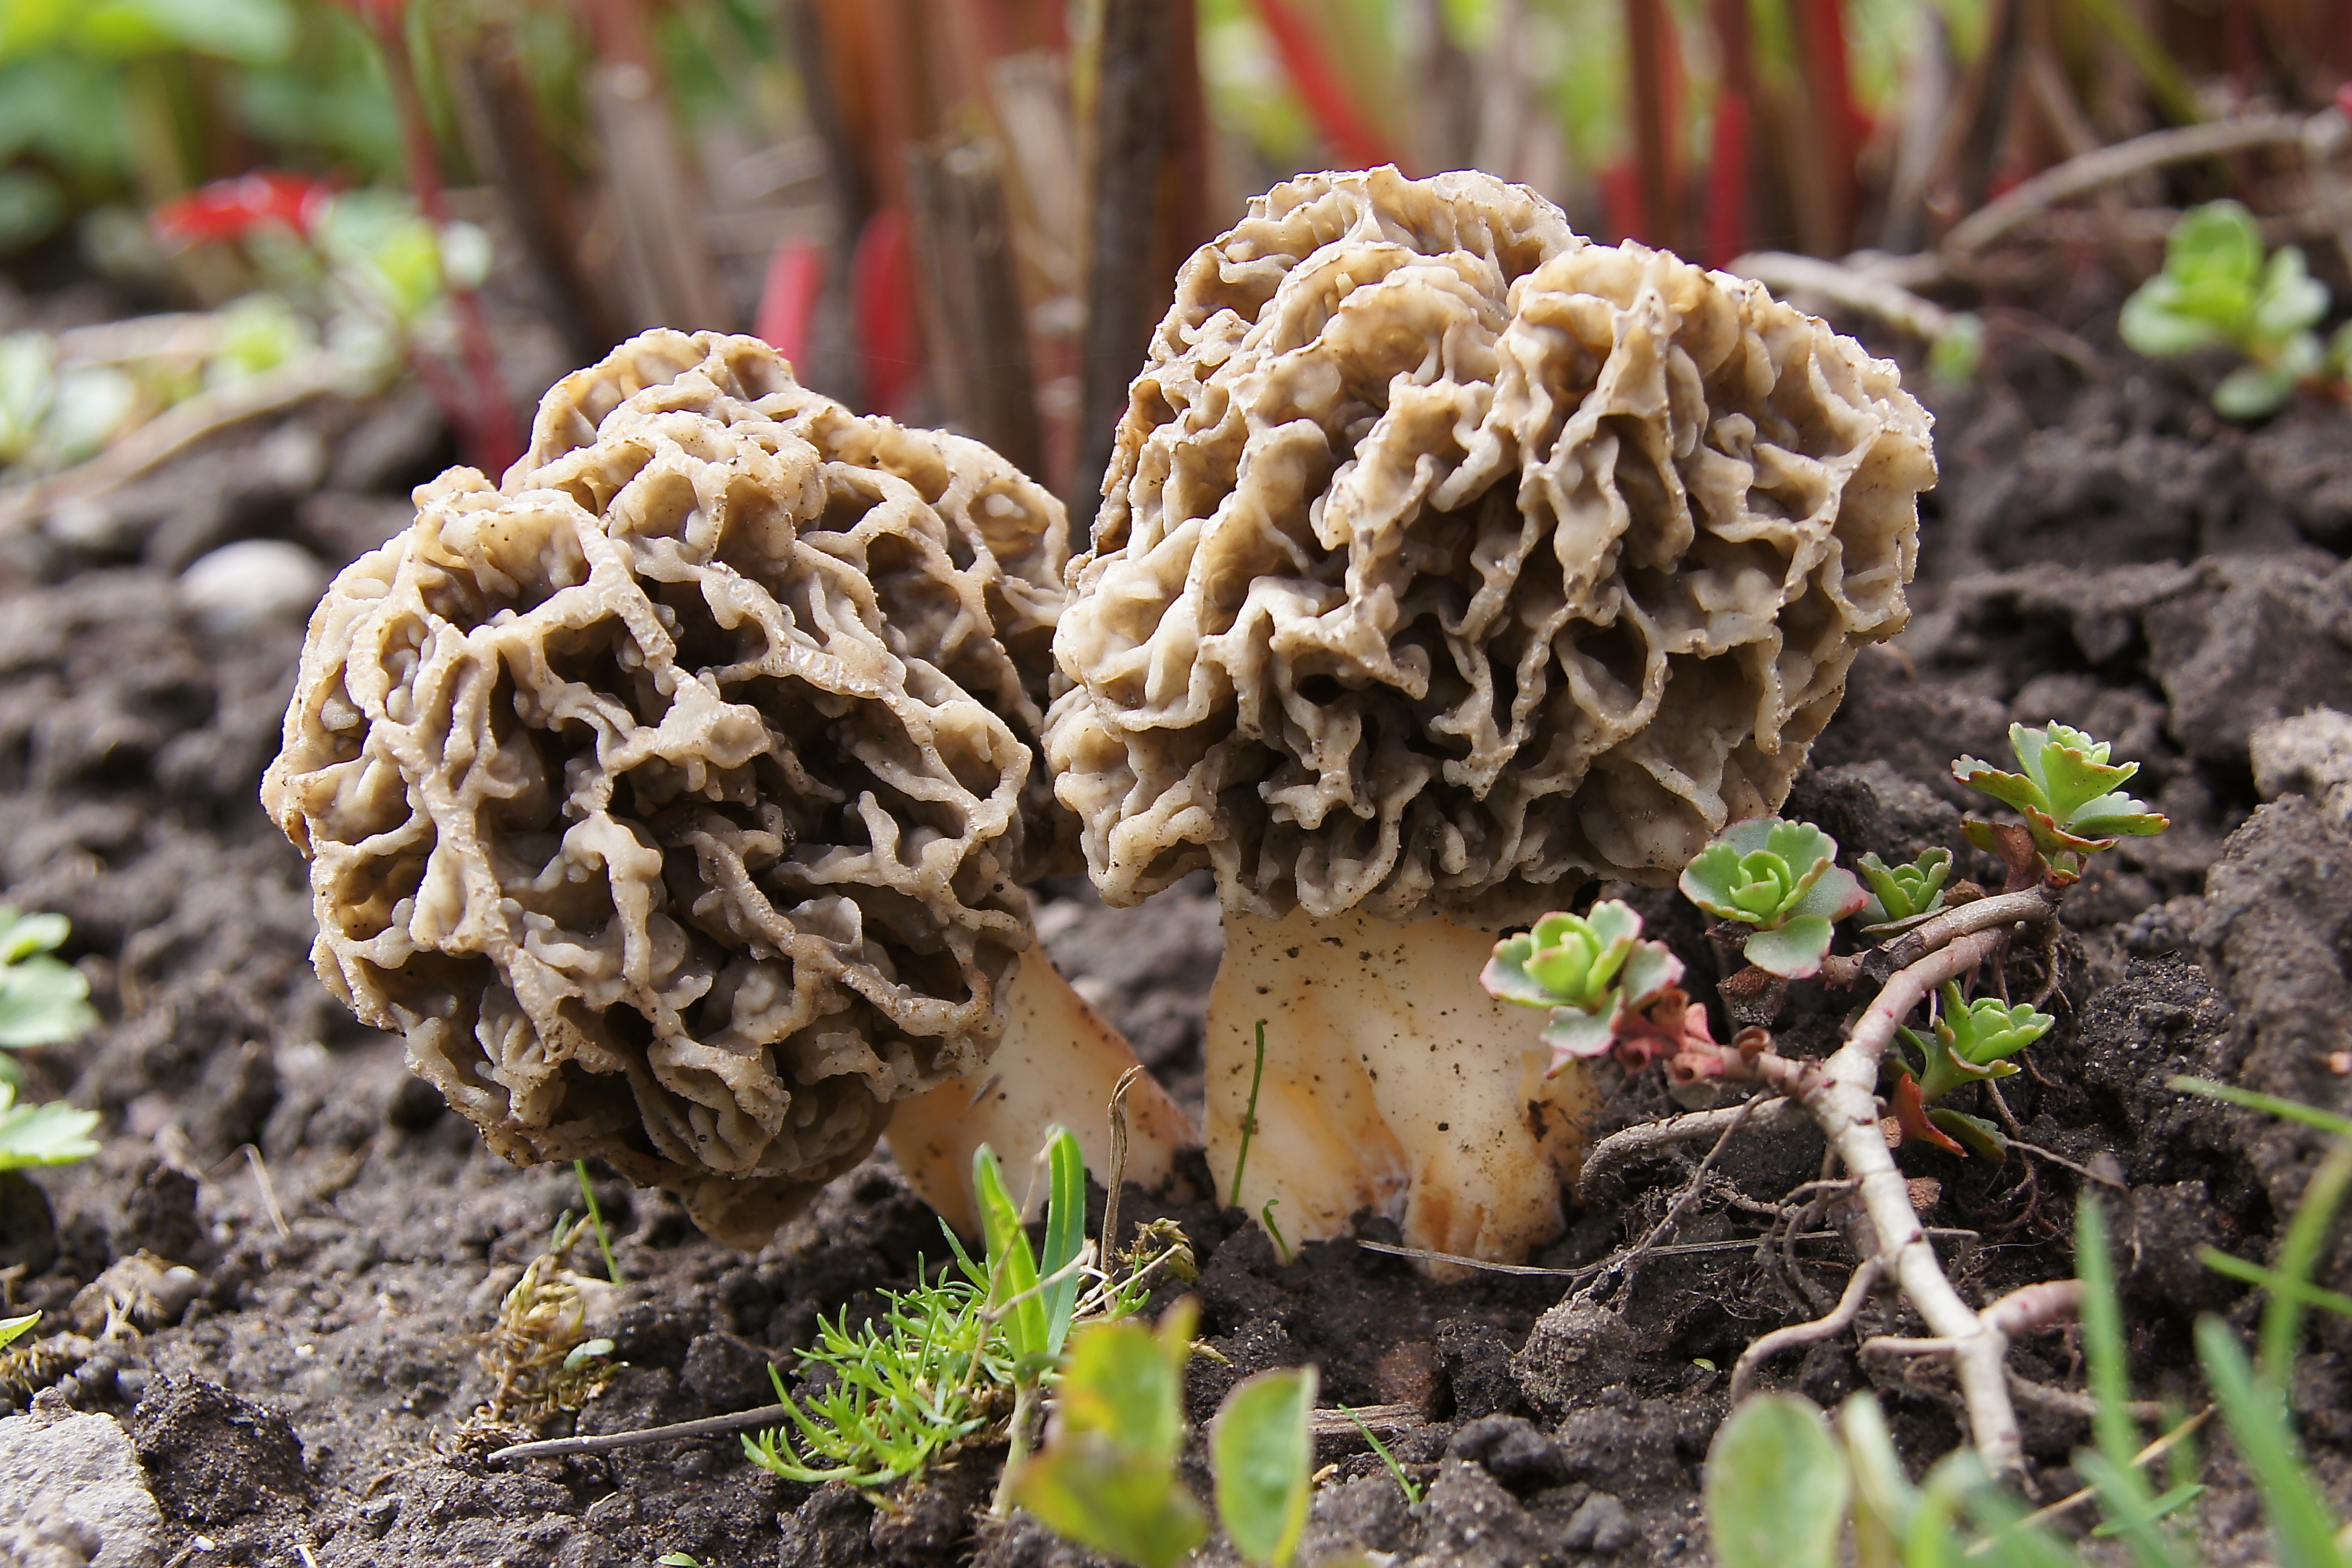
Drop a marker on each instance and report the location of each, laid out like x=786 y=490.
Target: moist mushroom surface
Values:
x=1447 y=560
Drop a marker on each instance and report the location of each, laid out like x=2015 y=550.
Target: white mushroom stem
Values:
x=1057 y=1065
x=1392 y=1082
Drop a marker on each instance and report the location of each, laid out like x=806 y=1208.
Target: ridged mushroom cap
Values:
x=641 y=799
x=983 y=602
x=1446 y=557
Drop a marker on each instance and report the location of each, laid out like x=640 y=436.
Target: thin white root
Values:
x=1058 y=1063
x=1619 y=1150
x=1840 y=1095
x=1836 y=1321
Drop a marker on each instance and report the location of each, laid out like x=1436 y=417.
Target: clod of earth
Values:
x=668 y=799
x=1446 y=560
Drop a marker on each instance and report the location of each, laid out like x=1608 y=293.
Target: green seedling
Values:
x=1972 y=1044
x=1591 y=970
x=1405 y=1484
x=1263 y=1454
x=43 y=1000
x=1776 y=1493
x=2218 y=290
x=1032 y=1310
x=596 y=1221
x=1106 y=1476
x=15 y=1329
x=903 y=1389
x=1783 y=880
x=52 y=1134
x=1902 y=896
x=2070 y=794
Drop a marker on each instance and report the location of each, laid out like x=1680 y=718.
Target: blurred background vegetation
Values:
x=969 y=212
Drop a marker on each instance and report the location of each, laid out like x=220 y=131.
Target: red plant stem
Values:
x=1727 y=225
x=485 y=423
x=1657 y=95
x=1822 y=50
x=1349 y=135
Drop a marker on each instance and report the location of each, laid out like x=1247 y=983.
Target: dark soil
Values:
x=2102 y=551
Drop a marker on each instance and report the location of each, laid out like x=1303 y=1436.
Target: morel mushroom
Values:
x=1448 y=560
x=642 y=797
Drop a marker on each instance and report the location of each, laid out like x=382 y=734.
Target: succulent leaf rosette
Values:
x=1592 y=971
x=1782 y=879
x=1973 y=1042
x=2068 y=791
x=1900 y=895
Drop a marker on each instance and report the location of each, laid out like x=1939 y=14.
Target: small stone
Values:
x=251 y=583
x=1512 y=1451
x=72 y=1495
x=1601 y=1526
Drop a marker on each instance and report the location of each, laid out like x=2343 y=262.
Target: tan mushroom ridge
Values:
x=640 y=799
x=1448 y=560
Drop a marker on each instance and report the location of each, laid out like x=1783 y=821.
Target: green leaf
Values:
x=2292 y=1109
x=253 y=32
x=1065 y=1234
x=2270 y=1279
x=2169 y=1502
x=52 y=1134
x=43 y=1001
x=1012 y=1267
x=1794 y=950
x=1264 y=1457
x=2299 y=1253
x=14 y=1329
x=2217 y=245
x=1127 y=1383
x=1086 y=1487
x=23 y=935
x=1979 y=1137
x=2103 y=1334
x=1571 y=1033
x=2304 y=1535
x=2152 y=324
x=2290 y=301
x=2123 y=1490
x=2253 y=390
x=1776 y=1487
x=1957 y=352
x=1883 y=1497
x=1904 y=892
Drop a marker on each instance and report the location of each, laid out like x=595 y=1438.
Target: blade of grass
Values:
x=2298 y=1254
x=2270 y=1279
x=2293 y=1111
x=1066 y=1236
x=2124 y=1490
x=2304 y=1535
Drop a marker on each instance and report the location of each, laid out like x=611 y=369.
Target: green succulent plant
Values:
x=1591 y=969
x=1781 y=877
x=1901 y=894
x=2218 y=290
x=2068 y=791
x=1972 y=1044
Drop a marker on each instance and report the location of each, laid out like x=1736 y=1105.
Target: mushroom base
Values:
x=1394 y=1082
x=1056 y=1064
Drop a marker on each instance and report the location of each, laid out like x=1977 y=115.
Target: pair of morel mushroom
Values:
x=677 y=798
